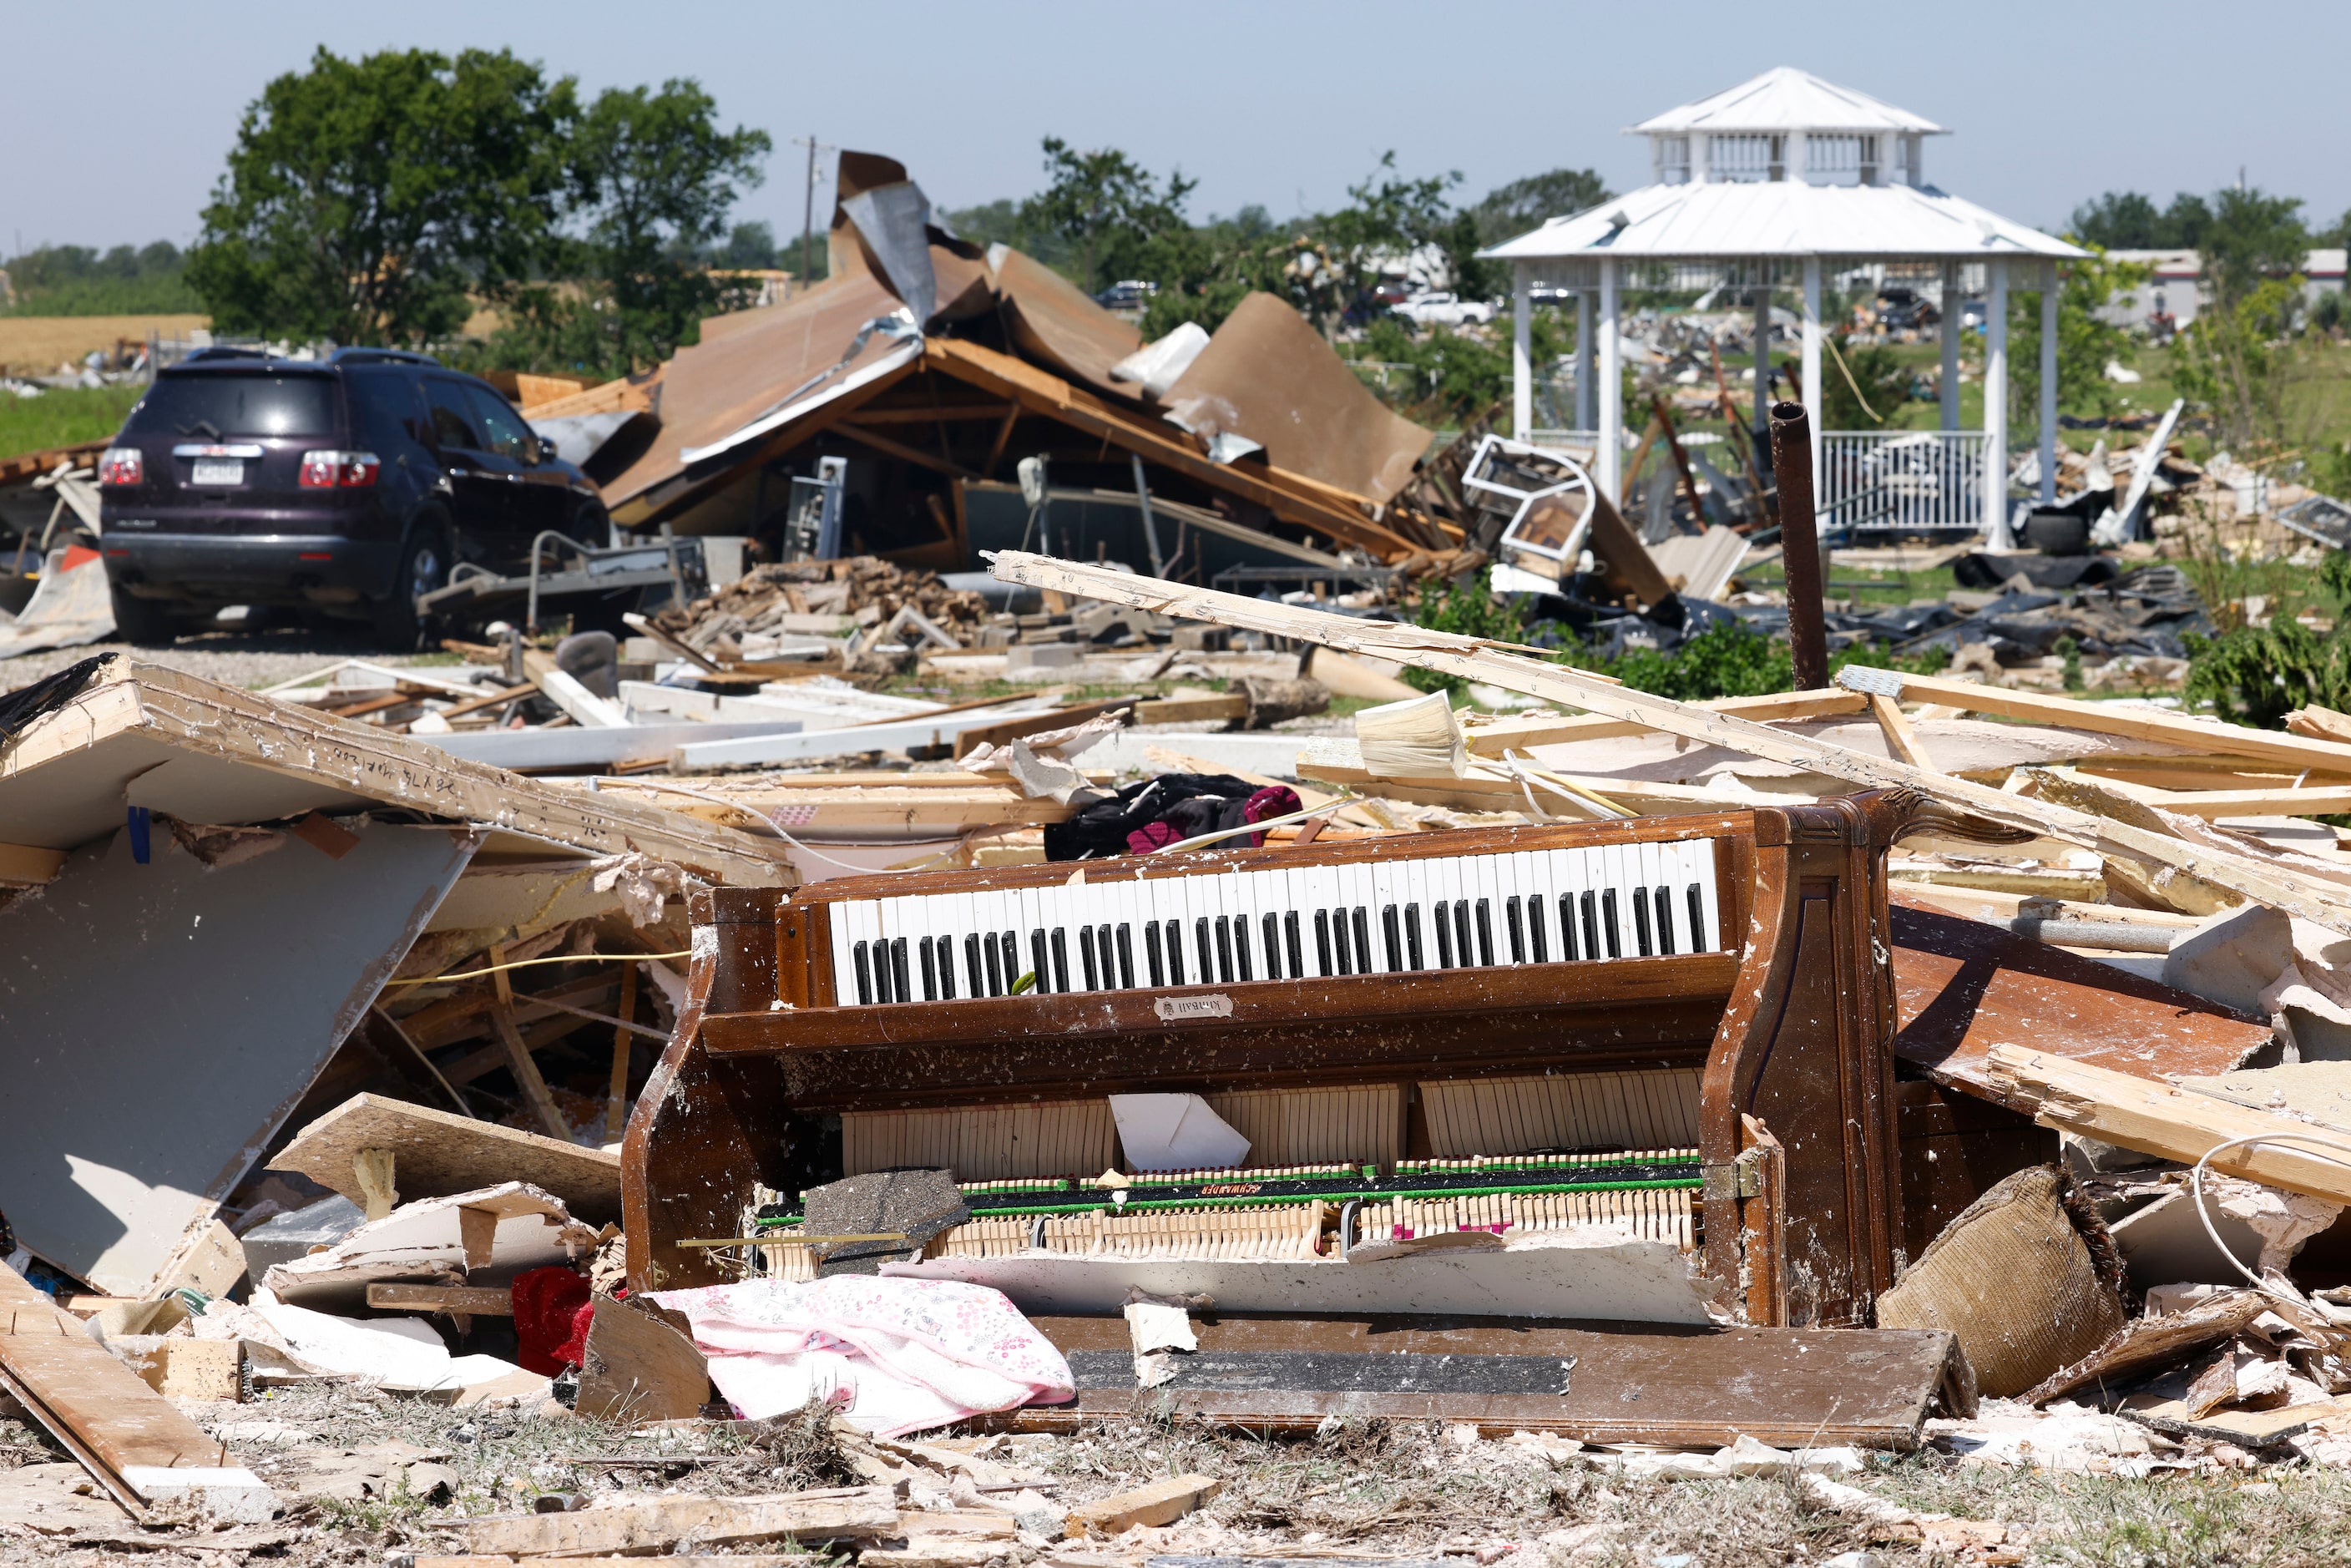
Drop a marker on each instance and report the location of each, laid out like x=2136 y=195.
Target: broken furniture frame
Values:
x=666 y=561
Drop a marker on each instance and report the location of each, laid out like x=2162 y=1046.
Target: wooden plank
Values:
x=1504 y=735
x=1291 y=497
x=478 y=1300
x=28 y=865
x=1902 y=742
x=1604 y=1383
x=2327 y=801
x=1020 y=724
x=655 y=1524
x=2175 y=1123
x=2132 y=723
x=439 y=1155
x=104 y=1412
x=518 y=1058
x=900 y=450
x=617 y=1108
x=2250 y=872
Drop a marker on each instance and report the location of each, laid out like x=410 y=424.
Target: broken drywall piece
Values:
x=2166 y=1244
x=1161 y=363
x=1175 y=1133
x=1157 y=1334
x=483 y=1238
x=2284 y=1221
x=1415 y=739
x=2232 y=957
x=402 y=1355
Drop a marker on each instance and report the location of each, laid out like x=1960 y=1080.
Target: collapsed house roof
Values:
x=955 y=362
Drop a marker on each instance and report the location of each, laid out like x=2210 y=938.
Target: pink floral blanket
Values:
x=898 y=1355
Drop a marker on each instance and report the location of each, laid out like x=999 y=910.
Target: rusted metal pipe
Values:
x=1800 y=543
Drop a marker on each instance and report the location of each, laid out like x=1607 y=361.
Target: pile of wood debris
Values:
x=820 y=598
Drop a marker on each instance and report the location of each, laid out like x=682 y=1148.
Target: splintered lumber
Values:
x=2246 y=872
x=438 y=1155
x=132 y=1439
x=2324 y=801
x=658 y=1524
x=2175 y=1123
x=133 y=716
x=1161 y=1502
x=481 y=1301
x=1513 y=733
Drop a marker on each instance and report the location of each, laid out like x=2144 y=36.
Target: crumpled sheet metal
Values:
x=1053 y=320
x=1269 y=376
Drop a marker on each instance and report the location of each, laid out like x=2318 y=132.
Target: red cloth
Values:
x=1152 y=836
x=551 y=1313
x=1273 y=800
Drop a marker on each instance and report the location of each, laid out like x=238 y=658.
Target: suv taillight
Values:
x=338 y=470
x=120 y=465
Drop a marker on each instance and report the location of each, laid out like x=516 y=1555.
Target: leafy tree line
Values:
x=76 y=280
x=384 y=200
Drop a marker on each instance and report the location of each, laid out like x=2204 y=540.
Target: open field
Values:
x=36 y=345
x=63 y=418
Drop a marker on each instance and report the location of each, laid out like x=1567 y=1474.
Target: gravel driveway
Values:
x=247 y=659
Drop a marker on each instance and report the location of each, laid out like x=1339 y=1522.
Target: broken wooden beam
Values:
x=656 y=1524
x=2244 y=872
x=440 y=1154
x=475 y=1300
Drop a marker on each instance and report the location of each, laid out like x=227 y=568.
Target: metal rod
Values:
x=790 y=1240
x=1150 y=530
x=1791 y=471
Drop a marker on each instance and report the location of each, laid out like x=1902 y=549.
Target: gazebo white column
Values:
x=1813 y=359
x=1587 y=312
x=1522 y=385
x=2048 y=384
x=1950 y=330
x=1995 y=393
x=1763 y=355
x=1608 y=388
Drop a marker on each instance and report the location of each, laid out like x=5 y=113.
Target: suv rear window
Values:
x=219 y=405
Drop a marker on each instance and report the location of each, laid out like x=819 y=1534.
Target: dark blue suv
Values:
x=345 y=486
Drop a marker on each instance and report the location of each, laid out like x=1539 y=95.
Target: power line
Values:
x=808 y=205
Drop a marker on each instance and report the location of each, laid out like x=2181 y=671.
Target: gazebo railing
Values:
x=1901 y=481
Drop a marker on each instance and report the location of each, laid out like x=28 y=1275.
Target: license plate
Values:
x=219 y=473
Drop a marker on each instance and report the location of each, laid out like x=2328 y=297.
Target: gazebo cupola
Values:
x=1788 y=124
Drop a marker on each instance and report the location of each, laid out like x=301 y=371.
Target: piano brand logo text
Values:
x=1173 y=1007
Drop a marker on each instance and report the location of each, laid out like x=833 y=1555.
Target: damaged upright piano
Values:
x=1618 y=1093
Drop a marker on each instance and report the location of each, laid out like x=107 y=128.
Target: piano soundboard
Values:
x=1111 y=932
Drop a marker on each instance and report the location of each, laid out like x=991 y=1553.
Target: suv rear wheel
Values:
x=424 y=564
x=143 y=622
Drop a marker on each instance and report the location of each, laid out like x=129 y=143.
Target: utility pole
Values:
x=807 y=204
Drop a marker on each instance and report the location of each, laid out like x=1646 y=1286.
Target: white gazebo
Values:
x=1789 y=174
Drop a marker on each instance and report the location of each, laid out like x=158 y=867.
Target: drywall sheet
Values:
x=158 y=1021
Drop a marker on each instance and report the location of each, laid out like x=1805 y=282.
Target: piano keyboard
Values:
x=1438 y=912
x=1307 y=1211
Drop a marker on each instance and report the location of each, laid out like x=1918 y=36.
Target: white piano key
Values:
x=1713 y=937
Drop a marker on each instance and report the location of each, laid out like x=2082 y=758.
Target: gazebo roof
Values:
x=1785 y=98
x=1784 y=218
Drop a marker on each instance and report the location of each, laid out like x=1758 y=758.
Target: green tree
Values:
x=748 y=245
x=1388 y=218
x=2252 y=235
x=2184 y=223
x=76 y=280
x=1511 y=210
x=2120 y=220
x=651 y=178
x=1106 y=207
x=369 y=200
x=2237 y=360
x=2086 y=341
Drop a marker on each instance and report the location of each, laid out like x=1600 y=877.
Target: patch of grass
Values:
x=63 y=417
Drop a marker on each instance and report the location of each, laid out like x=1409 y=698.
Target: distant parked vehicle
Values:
x=1127 y=293
x=345 y=486
x=1444 y=310
x=1900 y=309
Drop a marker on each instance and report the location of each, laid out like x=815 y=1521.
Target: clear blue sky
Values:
x=115 y=122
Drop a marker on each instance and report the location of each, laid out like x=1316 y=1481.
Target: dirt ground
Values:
x=249 y=660
x=365 y=1476
x=36 y=345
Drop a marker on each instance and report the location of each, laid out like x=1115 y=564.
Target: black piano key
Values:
x=1060 y=959
x=1224 y=949
x=859 y=956
x=1641 y=923
x=1125 y=956
x=1665 y=900
x=1485 y=932
x=1008 y=949
x=1697 y=920
x=1086 y=958
x=996 y=976
x=1392 y=929
x=1412 y=936
x=1175 y=952
x=1443 y=913
x=1297 y=950
x=1608 y=927
x=1591 y=929
x=1461 y=932
x=899 y=972
x=1151 y=953
x=1239 y=922
x=1323 y=940
x=1204 y=951
x=1365 y=963
x=1538 y=944
x=1339 y=940
x=930 y=973
x=886 y=984
x=973 y=968
x=1514 y=920
x=1567 y=927
x=1272 y=930
x=947 y=969
x=1041 y=960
